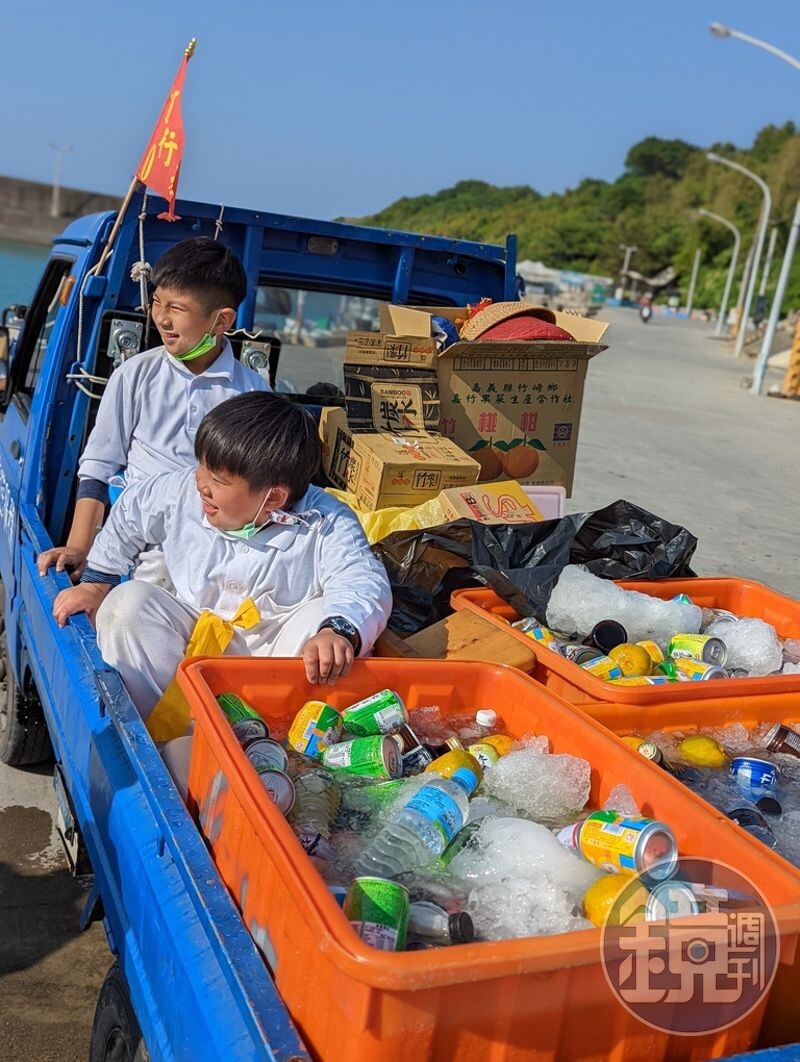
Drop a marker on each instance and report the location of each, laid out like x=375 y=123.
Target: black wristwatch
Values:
x=343 y=627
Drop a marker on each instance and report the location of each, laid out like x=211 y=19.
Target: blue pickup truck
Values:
x=187 y=981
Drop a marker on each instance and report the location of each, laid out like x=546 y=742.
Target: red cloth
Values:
x=161 y=163
x=524 y=327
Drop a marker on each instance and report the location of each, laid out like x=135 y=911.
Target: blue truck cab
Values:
x=187 y=981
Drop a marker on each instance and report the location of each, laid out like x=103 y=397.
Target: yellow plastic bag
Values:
x=211 y=637
x=384 y=522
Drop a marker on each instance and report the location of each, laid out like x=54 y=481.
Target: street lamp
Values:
x=725 y=31
x=759 y=242
x=737 y=241
x=775 y=310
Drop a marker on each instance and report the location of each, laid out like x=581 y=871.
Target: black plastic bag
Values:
x=522 y=562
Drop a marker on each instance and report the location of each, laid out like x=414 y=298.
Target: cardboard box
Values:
x=383 y=469
x=515 y=407
x=489 y=503
x=390 y=382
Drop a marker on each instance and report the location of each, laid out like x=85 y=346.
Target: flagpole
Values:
x=108 y=247
x=188 y=51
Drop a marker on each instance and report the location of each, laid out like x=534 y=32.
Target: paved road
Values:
x=665 y=424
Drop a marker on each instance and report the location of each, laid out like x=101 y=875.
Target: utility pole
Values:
x=693 y=282
x=629 y=250
x=55 y=202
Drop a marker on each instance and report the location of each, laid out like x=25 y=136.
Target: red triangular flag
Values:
x=161 y=163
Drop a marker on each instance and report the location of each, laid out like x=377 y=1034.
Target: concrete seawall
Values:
x=25 y=209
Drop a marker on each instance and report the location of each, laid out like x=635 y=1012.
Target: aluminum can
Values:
x=683 y=599
x=580 y=654
x=279 y=786
x=622 y=844
x=542 y=635
x=250 y=730
x=752 y=820
x=486 y=755
x=415 y=755
x=268 y=754
x=315 y=727
x=670 y=899
x=235 y=708
x=756 y=778
x=375 y=757
x=690 y=670
x=641 y=680
x=653 y=651
x=377 y=910
x=700 y=647
x=603 y=667
x=381 y=713
x=782 y=739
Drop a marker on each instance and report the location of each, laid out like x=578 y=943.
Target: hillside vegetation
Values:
x=652 y=204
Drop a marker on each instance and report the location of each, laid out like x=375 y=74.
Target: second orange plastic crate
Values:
x=542 y=998
x=574 y=684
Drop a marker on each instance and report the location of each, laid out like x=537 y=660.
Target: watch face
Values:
x=343 y=627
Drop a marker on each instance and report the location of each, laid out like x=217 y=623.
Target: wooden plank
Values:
x=465 y=636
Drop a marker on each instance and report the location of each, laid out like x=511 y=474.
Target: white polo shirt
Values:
x=151 y=410
x=318 y=551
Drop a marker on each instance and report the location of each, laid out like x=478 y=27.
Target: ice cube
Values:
x=580 y=600
x=548 y=789
x=734 y=739
x=790 y=669
x=522 y=908
x=752 y=644
x=519 y=849
x=621 y=799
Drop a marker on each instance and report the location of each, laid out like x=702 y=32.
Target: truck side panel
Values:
x=198 y=985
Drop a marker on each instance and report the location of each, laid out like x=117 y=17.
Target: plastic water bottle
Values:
x=486 y=721
x=316 y=802
x=422 y=829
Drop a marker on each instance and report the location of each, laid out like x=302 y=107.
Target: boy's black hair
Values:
x=265 y=439
x=203 y=266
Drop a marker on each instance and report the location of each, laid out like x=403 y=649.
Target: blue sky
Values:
x=328 y=108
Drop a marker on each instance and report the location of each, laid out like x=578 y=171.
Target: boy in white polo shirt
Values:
x=243 y=526
x=154 y=402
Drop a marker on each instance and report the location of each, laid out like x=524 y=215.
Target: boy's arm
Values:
x=355 y=583
x=138 y=519
x=106 y=450
x=85 y=523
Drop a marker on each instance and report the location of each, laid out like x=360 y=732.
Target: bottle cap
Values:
x=486 y=717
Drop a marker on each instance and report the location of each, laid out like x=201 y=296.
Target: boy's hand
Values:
x=327 y=657
x=63 y=557
x=86 y=597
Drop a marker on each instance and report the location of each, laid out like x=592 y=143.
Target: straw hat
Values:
x=512 y=321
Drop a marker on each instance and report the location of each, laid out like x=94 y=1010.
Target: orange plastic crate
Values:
x=537 y=998
x=578 y=686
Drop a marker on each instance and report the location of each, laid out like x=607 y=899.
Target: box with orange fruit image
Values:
x=513 y=403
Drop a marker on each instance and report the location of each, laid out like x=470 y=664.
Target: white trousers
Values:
x=142 y=631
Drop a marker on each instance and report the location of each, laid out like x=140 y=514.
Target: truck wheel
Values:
x=23 y=729
x=116 y=1036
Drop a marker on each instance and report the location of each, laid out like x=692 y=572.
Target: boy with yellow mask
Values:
x=154 y=402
